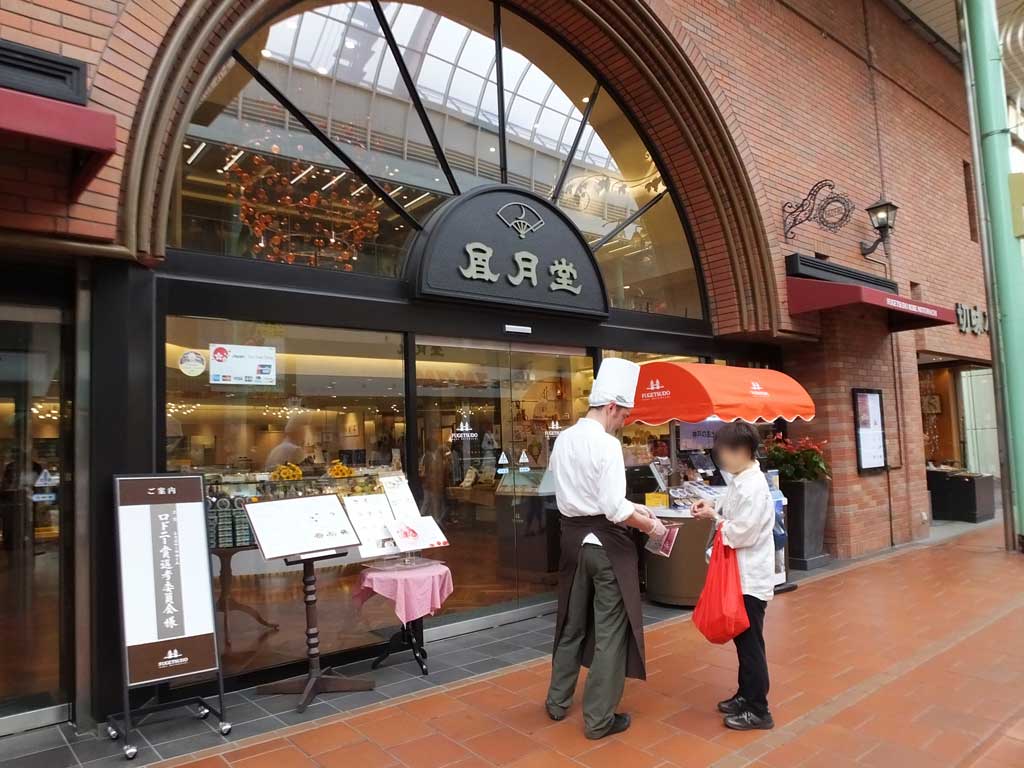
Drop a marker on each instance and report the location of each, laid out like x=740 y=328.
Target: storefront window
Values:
x=256 y=183
x=276 y=411
x=488 y=414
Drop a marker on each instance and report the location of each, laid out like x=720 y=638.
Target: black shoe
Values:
x=619 y=724
x=733 y=706
x=554 y=714
x=748 y=721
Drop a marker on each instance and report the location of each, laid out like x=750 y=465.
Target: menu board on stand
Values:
x=166 y=589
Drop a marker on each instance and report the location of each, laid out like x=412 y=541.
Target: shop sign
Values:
x=498 y=245
x=971 y=319
x=245 y=365
x=166 y=590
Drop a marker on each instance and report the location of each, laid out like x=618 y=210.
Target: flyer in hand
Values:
x=662 y=545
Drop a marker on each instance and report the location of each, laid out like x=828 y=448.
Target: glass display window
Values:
x=266 y=411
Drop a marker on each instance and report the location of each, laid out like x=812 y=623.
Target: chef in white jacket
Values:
x=600 y=624
x=746 y=516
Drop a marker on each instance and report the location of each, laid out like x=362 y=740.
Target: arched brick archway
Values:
x=657 y=79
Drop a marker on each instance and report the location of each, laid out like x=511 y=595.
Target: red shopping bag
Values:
x=720 y=614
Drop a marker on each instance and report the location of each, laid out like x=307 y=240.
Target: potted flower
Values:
x=804 y=480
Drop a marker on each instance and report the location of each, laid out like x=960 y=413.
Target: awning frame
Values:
x=89 y=133
x=808 y=295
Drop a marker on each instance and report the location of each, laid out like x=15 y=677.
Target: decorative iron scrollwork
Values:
x=831 y=212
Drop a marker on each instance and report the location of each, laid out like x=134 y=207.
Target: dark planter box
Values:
x=805 y=522
x=972 y=498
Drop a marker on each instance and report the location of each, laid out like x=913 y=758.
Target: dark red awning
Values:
x=904 y=314
x=90 y=133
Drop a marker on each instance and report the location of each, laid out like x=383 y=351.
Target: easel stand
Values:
x=408 y=638
x=126 y=718
x=317 y=680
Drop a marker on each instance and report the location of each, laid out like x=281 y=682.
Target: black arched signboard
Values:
x=500 y=245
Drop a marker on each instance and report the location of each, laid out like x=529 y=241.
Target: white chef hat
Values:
x=615 y=383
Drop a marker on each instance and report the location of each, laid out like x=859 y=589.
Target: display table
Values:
x=679 y=578
x=417 y=591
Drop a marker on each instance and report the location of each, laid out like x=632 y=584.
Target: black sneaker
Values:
x=619 y=724
x=748 y=721
x=733 y=706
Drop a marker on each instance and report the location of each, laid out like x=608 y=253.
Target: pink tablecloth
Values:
x=417 y=592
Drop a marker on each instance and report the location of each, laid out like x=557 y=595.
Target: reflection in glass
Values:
x=644 y=267
x=333 y=421
x=32 y=487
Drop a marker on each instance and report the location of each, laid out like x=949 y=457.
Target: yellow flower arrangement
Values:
x=287 y=471
x=338 y=469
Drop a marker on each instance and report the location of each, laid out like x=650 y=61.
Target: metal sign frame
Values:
x=203 y=708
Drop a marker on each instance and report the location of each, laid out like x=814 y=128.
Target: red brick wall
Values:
x=118 y=40
x=856 y=352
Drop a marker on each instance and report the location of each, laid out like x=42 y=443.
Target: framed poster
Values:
x=302 y=526
x=166 y=587
x=869 y=429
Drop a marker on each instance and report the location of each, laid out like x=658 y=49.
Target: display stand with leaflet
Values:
x=304 y=531
x=317 y=680
x=166 y=589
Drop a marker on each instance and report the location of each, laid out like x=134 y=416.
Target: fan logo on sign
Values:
x=523 y=220
x=655 y=389
x=757 y=390
x=173 y=658
x=526 y=222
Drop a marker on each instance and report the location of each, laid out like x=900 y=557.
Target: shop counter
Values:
x=679 y=578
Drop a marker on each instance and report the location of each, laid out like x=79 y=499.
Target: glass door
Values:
x=33 y=476
x=487 y=415
x=549 y=389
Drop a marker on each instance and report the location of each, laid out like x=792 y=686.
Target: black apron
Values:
x=621 y=550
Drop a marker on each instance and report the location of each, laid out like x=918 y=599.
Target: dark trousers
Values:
x=753 y=674
x=596 y=595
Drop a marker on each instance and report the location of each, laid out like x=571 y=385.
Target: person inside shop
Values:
x=433 y=472
x=290 y=449
x=599 y=622
x=746 y=515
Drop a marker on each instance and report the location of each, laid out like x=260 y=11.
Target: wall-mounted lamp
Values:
x=883 y=219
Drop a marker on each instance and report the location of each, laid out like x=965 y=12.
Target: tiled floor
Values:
x=911 y=659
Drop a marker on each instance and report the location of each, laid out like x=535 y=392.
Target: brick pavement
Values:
x=911 y=660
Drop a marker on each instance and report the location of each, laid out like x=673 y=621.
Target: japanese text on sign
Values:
x=167 y=567
x=562 y=272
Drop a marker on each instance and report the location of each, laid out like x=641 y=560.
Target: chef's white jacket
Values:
x=589 y=474
x=747 y=513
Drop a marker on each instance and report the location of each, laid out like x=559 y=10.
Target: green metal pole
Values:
x=1007 y=260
